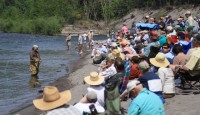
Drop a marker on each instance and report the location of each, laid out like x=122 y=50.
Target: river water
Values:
x=16 y=88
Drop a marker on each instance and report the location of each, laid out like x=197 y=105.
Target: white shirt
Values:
x=99 y=90
x=109 y=41
x=84 y=37
x=84 y=107
x=80 y=39
x=71 y=110
x=167 y=77
x=110 y=71
x=146 y=37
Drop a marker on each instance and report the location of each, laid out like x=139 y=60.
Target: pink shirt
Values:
x=128 y=49
x=124 y=29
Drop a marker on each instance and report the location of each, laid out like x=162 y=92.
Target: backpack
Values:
x=112 y=95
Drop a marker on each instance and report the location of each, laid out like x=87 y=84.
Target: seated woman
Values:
x=180 y=57
x=165 y=73
x=134 y=73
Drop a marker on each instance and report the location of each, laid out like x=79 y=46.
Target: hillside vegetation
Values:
x=49 y=16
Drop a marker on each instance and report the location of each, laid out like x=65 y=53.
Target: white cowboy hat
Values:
x=35 y=46
x=52 y=98
x=94 y=79
x=160 y=60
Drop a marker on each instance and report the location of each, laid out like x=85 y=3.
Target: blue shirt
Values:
x=146 y=103
x=102 y=49
x=147 y=49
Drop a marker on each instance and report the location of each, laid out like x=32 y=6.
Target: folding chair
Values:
x=186 y=78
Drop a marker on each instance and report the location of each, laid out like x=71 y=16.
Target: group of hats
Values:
x=52 y=98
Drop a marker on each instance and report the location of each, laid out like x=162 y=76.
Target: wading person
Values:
x=34 y=60
x=80 y=44
x=68 y=41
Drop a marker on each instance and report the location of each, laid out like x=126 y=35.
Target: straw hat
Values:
x=52 y=98
x=117 y=53
x=94 y=79
x=160 y=60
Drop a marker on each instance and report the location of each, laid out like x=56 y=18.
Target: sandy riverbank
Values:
x=181 y=104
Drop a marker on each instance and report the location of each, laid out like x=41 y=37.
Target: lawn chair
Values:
x=186 y=78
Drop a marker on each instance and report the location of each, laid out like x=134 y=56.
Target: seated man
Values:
x=193 y=55
x=167 y=53
x=150 y=80
x=153 y=42
x=185 y=45
x=85 y=104
x=144 y=102
x=108 y=70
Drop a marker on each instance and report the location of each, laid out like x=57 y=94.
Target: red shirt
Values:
x=134 y=73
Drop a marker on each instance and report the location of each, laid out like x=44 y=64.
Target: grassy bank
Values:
x=50 y=25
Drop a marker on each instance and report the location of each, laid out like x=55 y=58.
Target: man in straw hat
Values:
x=95 y=80
x=85 y=104
x=144 y=102
x=68 y=41
x=34 y=60
x=165 y=73
x=54 y=102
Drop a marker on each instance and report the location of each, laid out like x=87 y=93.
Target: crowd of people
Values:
x=137 y=64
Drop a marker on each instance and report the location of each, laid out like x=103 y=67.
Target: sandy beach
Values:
x=181 y=104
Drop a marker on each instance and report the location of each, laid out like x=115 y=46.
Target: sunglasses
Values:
x=165 y=47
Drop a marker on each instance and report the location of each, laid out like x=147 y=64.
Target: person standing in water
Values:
x=80 y=44
x=90 y=36
x=68 y=41
x=34 y=60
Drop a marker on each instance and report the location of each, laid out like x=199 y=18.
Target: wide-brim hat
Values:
x=52 y=98
x=94 y=79
x=160 y=60
x=117 y=53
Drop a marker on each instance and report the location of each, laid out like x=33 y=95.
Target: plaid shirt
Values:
x=126 y=76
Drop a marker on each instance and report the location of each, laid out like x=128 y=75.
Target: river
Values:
x=16 y=85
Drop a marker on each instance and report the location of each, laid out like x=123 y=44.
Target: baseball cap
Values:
x=132 y=84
